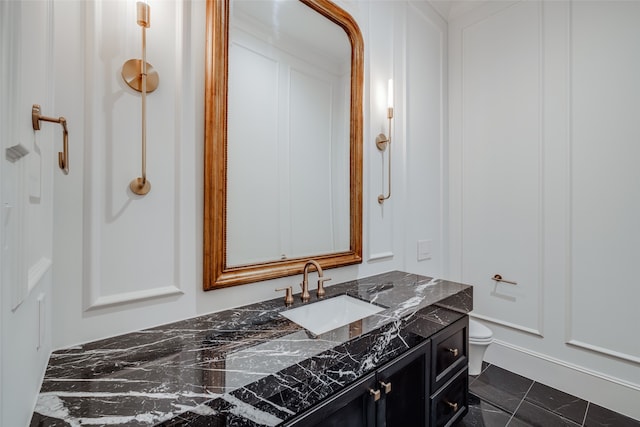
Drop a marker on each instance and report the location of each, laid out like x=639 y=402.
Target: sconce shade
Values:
x=144 y=14
x=132 y=74
x=383 y=141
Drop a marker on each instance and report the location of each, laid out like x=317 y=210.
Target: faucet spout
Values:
x=305 y=279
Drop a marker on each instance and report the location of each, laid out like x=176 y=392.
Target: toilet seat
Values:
x=478 y=332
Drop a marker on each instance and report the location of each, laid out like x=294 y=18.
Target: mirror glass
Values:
x=283 y=139
x=287 y=133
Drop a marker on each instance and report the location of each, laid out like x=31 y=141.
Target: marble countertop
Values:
x=247 y=366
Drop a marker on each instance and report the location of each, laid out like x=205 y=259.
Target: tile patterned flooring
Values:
x=499 y=398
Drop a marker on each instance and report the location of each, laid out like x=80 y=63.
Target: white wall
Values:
x=27 y=204
x=415 y=57
x=128 y=262
x=544 y=137
x=122 y=263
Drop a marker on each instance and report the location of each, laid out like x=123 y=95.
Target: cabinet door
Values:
x=404 y=389
x=352 y=407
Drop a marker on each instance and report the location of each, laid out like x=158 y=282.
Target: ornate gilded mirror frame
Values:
x=216 y=273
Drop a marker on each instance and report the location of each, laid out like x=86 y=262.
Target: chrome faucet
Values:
x=305 y=280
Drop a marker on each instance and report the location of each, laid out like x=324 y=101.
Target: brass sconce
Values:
x=382 y=141
x=141 y=76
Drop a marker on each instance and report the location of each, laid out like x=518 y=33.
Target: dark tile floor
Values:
x=499 y=398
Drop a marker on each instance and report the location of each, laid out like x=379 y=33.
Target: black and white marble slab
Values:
x=247 y=366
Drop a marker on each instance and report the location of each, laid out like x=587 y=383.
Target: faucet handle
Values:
x=288 y=298
x=305 y=291
x=321 y=290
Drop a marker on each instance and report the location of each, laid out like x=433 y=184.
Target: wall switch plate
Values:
x=424 y=250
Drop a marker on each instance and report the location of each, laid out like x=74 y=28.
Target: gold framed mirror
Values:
x=224 y=261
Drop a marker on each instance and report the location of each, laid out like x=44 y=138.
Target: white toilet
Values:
x=479 y=339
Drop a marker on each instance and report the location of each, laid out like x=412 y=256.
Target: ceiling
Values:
x=450 y=9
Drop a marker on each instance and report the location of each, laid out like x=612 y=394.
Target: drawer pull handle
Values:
x=375 y=394
x=453 y=406
x=454 y=351
x=498 y=278
x=386 y=387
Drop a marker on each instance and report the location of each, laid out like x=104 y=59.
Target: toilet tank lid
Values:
x=478 y=330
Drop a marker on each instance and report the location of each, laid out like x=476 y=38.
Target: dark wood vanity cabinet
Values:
x=427 y=386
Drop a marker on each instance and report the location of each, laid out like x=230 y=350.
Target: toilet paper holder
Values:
x=498 y=278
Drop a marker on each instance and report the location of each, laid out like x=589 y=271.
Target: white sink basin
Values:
x=323 y=316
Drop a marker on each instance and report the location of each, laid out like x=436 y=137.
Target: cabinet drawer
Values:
x=449 y=405
x=449 y=353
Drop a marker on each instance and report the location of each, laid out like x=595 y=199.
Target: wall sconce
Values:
x=141 y=76
x=382 y=141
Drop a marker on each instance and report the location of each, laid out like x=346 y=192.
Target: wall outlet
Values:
x=424 y=250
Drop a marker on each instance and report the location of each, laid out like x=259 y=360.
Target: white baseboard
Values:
x=612 y=393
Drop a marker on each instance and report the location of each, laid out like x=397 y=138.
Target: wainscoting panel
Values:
x=425 y=71
x=605 y=178
x=544 y=189
x=132 y=242
x=27 y=194
x=501 y=151
x=381 y=245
